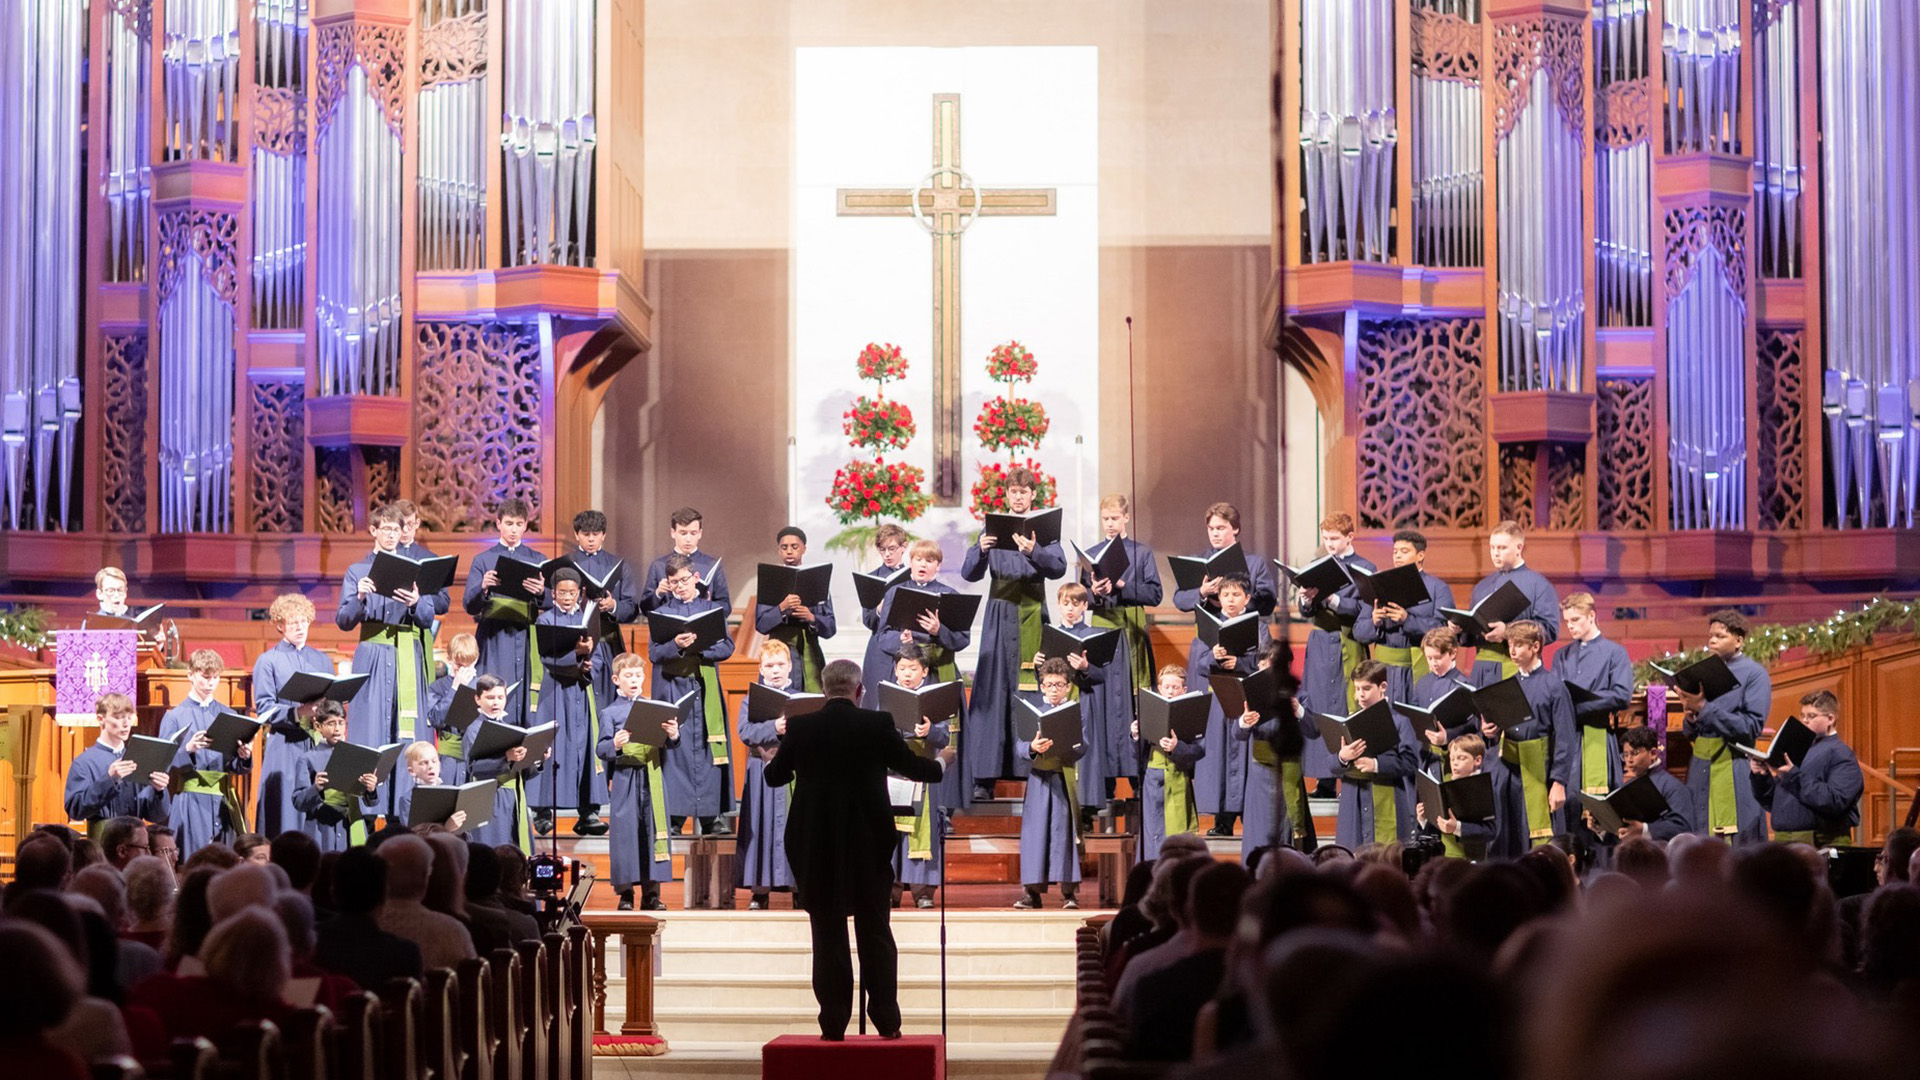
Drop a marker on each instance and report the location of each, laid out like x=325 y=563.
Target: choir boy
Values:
x=503 y=619
x=1273 y=746
x=100 y=782
x=699 y=778
x=621 y=604
x=463 y=660
x=1439 y=647
x=392 y=705
x=288 y=734
x=574 y=777
x=335 y=819
x=1466 y=756
x=412 y=548
x=920 y=858
x=1106 y=701
x=938 y=645
x=1600 y=666
x=1376 y=786
x=1542 y=750
x=1393 y=632
x=1815 y=800
x=1124 y=603
x=637 y=850
x=1332 y=651
x=1507 y=547
x=1049 y=816
x=1220 y=778
x=799 y=627
x=1223 y=531
x=509 y=824
x=110 y=588
x=891 y=542
x=1640 y=756
x=762 y=864
x=422 y=762
x=684 y=528
x=1722 y=787
x=1166 y=800
x=206 y=806
x=1016 y=609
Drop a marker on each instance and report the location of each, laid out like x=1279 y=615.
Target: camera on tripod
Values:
x=559 y=886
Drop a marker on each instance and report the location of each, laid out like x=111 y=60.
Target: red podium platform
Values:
x=805 y=1057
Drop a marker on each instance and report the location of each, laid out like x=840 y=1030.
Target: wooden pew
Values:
x=119 y=1067
x=307 y=1037
x=252 y=1052
x=507 y=1020
x=440 y=1047
x=536 y=1008
x=580 y=1000
x=402 y=1010
x=195 y=1059
x=356 y=1039
x=477 y=1037
x=553 y=983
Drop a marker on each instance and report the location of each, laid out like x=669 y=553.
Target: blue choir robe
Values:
x=1220 y=778
x=1477 y=840
x=1491 y=664
x=955 y=788
x=1015 y=610
x=1543 y=751
x=1364 y=797
x=637 y=847
x=1719 y=778
x=1426 y=690
x=1602 y=666
x=1267 y=819
x=919 y=858
x=403 y=805
x=501 y=626
x=1396 y=642
x=451 y=744
x=1332 y=653
x=1125 y=607
x=392 y=705
x=1266 y=589
x=626 y=609
x=93 y=796
x=1818 y=800
x=1106 y=700
x=205 y=807
x=1166 y=792
x=573 y=776
x=1049 y=818
x=699 y=771
x=1682 y=815
x=442 y=599
x=703 y=563
x=335 y=820
x=762 y=832
x=509 y=824
x=288 y=736
x=876 y=666
x=801 y=639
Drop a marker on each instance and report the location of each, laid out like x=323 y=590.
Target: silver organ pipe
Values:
x=1448 y=179
x=280 y=165
x=453 y=157
x=1348 y=131
x=1623 y=167
x=548 y=132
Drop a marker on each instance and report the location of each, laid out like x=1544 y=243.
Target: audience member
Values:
x=492 y=925
x=124 y=839
x=443 y=941
x=352 y=942
x=42 y=986
x=134 y=960
x=150 y=890
x=1166 y=1002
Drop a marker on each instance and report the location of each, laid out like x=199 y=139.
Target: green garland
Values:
x=25 y=627
x=1844 y=632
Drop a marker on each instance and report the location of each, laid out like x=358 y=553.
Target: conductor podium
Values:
x=803 y=1057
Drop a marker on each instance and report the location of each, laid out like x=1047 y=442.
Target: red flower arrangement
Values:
x=881 y=363
x=878 y=424
x=990 y=490
x=1011 y=423
x=1011 y=363
x=864 y=489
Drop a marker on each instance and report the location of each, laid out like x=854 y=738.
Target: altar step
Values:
x=731 y=1061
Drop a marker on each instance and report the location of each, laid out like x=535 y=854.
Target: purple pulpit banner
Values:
x=88 y=664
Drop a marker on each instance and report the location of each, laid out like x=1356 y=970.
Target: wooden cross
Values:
x=945 y=204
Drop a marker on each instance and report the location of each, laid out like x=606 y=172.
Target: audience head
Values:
x=124 y=839
x=40 y=862
x=295 y=913
x=483 y=873
x=43 y=980
x=1895 y=861
x=1166 y=897
x=297 y=854
x=359 y=882
x=191 y=919
x=1213 y=899
x=249 y=954
x=165 y=846
x=150 y=889
x=446 y=883
x=106 y=887
x=214 y=856
x=409 y=862
x=244 y=886
x=1642 y=860
x=253 y=848
x=513 y=871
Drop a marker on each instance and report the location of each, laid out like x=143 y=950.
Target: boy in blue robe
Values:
x=1105 y=693
x=1465 y=839
x=1016 y=609
x=1049 y=818
x=1507 y=547
x=1123 y=604
x=206 y=805
x=1275 y=806
x=1601 y=667
x=100 y=782
x=335 y=819
x=463 y=668
x=503 y=622
x=392 y=705
x=288 y=735
x=411 y=547
x=637 y=850
x=699 y=772
x=421 y=760
x=509 y=824
x=1393 y=633
x=1333 y=651
x=891 y=542
x=1223 y=531
x=1640 y=756
x=938 y=645
x=919 y=859
x=1541 y=751
x=621 y=605
x=1166 y=785
x=685 y=528
x=799 y=627
x=574 y=776
x=110 y=589
x=1722 y=786
x=1220 y=778
x=1815 y=800
x=762 y=863
x=1376 y=784
x=1439 y=649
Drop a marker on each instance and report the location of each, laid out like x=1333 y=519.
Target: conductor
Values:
x=840 y=841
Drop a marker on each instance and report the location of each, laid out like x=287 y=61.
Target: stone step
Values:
x=756 y=1025
x=746 y=929
x=694 y=1060
x=794 y=990
x=916 y=961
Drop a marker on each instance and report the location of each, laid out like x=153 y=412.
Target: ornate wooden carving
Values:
x=123 y=445
x=279 y=120
x=1422 y=423
x=333 y=488
x=383 y=475
x=381 y=51
x=1624 y=437
x=1567 y=476
x=1623 y=114
x=1445 y=46
x=453 y=50
x=1693 y=230
x=1516 y=483
x=1525 y=46
x=278 y=421
x=1779 y=377
x=206 y=233
x=480 y=385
